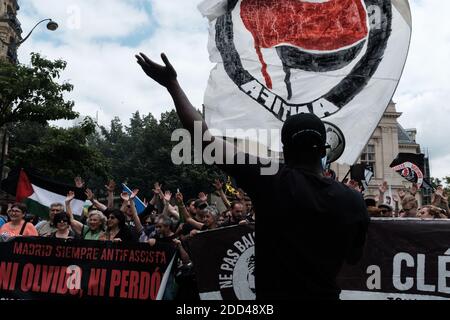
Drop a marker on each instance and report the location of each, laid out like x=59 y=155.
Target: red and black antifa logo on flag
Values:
x=410 y=166
x=314 y=36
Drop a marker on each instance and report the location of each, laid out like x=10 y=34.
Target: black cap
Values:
x=305 y=130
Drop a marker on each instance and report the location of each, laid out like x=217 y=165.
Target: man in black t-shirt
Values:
x=327 y=220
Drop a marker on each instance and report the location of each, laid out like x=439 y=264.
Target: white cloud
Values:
x=107 y=79
x=424 y=91
x=104 y=73
x=86 y=19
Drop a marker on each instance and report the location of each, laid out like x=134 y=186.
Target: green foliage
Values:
x=31 y=93
x=58 y=153
x=138 y=154
x=141 y=155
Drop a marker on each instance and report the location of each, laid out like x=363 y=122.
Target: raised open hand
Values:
x=439 y=191
x=164 y=75
x=70 y=196
x=383 y=187
x=110 y=186
x=157 y=188
x=134 y=193
x=202 y=196
x=167 y=195
x=125 y=196
x=89 y=194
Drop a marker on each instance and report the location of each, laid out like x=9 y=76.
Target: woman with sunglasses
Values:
x=116 y=229
x=17 y=226
x=62 y=223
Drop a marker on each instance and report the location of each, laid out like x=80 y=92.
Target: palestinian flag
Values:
x=39 y=193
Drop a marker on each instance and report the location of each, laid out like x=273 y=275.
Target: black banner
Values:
x=47 y=268
x=224 y=262
x=404 y=259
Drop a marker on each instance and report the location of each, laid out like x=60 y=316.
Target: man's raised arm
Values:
x=166 y=76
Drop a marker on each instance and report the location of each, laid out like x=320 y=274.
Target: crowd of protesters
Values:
x=167 y=218
x=170 y=218
x=404 y=203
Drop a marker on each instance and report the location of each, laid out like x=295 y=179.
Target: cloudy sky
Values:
x=99 y=38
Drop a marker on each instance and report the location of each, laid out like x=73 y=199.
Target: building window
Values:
x=368 y=156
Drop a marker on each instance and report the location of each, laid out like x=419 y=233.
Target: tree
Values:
x=141 y=155
x=31 y=93
x=58 y=153
x=445 y=183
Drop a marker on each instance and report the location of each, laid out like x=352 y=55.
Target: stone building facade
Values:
x=10 y=29
x=10 y=34
x=388 y=140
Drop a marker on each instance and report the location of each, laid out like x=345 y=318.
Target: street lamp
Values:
x=52 y=26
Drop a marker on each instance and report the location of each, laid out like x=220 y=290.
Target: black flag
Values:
x=411 y=167
x=361 y=173
x=9 y=185
x=224 y=262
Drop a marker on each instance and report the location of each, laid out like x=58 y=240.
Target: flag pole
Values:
x=348 y=173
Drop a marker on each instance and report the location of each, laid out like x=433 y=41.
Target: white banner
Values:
x=339 y=59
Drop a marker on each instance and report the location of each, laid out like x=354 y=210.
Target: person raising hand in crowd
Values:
x=440 y=199
x=132 y=220
x=210 y=219
x=95 y=223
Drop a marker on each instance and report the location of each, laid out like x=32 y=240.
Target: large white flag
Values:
x=339 y=59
